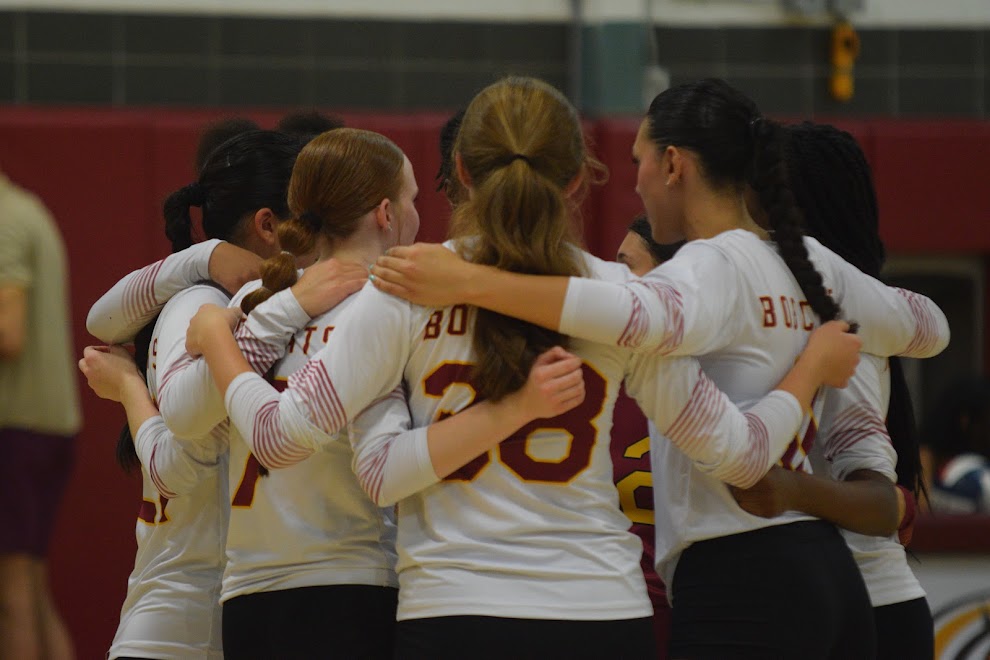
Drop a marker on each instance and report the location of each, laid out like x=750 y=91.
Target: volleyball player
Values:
x=512 y=546
x=629 y=439
x=867 y=439
x=311 y=563
x=172 y=608
x=730 y=295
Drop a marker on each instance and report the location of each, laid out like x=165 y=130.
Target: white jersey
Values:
x=533 y=528
x=732 y=300
x=854 y=437
x=311 y=523
x=171 y=610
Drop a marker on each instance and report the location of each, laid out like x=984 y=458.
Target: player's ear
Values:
x=383 y=215
x=266 y=226
x=462 y=173
x=672 y=165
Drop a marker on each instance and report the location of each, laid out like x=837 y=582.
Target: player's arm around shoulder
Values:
x=120 y=313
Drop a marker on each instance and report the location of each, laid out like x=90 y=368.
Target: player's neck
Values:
x=361 y=252
x=710 y=215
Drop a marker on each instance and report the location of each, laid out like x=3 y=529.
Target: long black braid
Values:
x=833 y=185
x=769 y=178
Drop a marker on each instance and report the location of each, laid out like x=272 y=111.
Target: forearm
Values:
x=188 y=399
x=864 y=504
x=224 y=358
x=176 y=469
x=137 y=404
x=133 y=301
x=534 y=298
x=802 y=382
x=265 y=334
x=393 y=461
x=457 y=440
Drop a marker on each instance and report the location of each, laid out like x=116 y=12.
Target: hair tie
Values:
x=522 y=157
x=311 y=221
x=288 y=253
x=195 y=194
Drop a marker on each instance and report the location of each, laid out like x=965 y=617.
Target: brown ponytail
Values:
x=522 y=146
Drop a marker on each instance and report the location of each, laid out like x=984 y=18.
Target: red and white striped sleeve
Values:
x=264 y=335
x=132 y=302
x=175 y=468
x=362 y=361
x=852 y=431
x=391 y=459
x=187 y=397
x=892 y=321
x=676 y=309
x=700 y=420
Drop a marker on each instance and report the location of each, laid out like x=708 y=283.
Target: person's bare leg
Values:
x=19 y=638
x=55 y=639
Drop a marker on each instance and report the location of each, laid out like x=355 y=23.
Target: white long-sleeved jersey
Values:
x=171 y=609
x=854 y=437
x=310 y=523
x=733 y=299
x=533 y=528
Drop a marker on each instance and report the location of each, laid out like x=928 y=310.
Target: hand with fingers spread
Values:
x=109 y=370
x=555 y=385
x=426 y=274
x=325 y=284
x=208 y=322
x=232 y=267
x=835 y=351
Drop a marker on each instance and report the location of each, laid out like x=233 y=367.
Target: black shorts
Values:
x=33 y=475
x=905 y=631
x=789 y=591
x=337 y=621
x=497 y=638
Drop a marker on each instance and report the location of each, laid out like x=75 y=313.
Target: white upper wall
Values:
x=877 y=13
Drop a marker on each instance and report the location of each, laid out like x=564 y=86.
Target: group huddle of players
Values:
x=503 y=446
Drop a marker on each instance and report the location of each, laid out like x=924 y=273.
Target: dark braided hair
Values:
x=833 y=185
x=736 y=146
